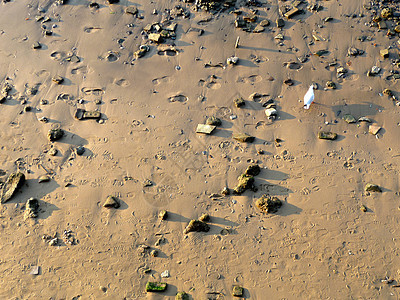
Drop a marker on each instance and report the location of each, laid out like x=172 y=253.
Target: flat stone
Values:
x=196 y=226
x=243 y=137
x=55 y=134
x=237 y=291
x=268 y=204
x=321 y=52
x=204 y=128
x=111 y=202
x=156 y=286
x=382 y=25
x=44 y=178
x=291 y=13
x=374 y=129
x=259 y=28
x=264 y=23
x=349 y=119
x=132 y=10
x=369 y=187
x=82 y=114
x=326 y=135
x=11 y=186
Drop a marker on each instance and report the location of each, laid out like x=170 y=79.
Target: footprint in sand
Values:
x=92 y=91
x=250 y=79
x=121 y=82
x=91 y=29
x=178 y=98
x=164 y=79
x=80 y=70
x=211 y=82
x=57 y=55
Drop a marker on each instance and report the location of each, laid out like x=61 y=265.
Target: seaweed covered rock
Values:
x=197 y=226
x=13 y=183
x=156 y=286
x=237 y=291
x=182 y=296
x=245 y=182
x=268 y=204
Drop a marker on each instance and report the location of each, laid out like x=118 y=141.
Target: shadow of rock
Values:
x=357 y=110
x=46 y=209
x=288 y=209
x=32 y=188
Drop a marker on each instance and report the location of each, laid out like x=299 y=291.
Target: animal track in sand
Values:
x=80 y=70
x=121 y=82
x=164 y=79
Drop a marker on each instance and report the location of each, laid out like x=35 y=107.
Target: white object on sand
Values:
x=309 y=97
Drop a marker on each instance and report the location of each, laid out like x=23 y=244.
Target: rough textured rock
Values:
x=197 y=226
x=369 y=187
x=55 y=134
x=111 y=202
x=253 y=170
x=13 y=183
x=243 y=137
x=237 y=291
x=181 y=296
x=31 y=208
x=244 y=182
x=213 y=121
x=268 y=204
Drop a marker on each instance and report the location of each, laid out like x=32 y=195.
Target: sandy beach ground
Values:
x=331 y=239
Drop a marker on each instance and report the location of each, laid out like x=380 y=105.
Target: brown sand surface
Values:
x=319 y=245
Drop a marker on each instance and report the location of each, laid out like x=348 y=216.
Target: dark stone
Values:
x=55 y=134
x=80 y=150
x=373 y=188
x=243 y=137
x=253 y=170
